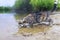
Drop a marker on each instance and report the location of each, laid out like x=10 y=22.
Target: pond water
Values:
x=8 y=25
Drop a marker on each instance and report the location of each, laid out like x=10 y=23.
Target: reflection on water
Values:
x=8 y=25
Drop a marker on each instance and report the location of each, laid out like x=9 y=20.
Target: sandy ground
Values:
x=52 y=34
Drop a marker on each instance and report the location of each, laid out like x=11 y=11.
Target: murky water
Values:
x=8 y=25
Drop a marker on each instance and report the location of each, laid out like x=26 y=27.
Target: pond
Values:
x=8 y=25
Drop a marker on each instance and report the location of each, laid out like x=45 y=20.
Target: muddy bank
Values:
x=52 y=34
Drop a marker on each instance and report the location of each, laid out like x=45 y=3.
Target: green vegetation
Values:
x=59 y=5
x=23 y=6
x=41 y=5
x=18 y=3
x=5 y=9
x=35 y=4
